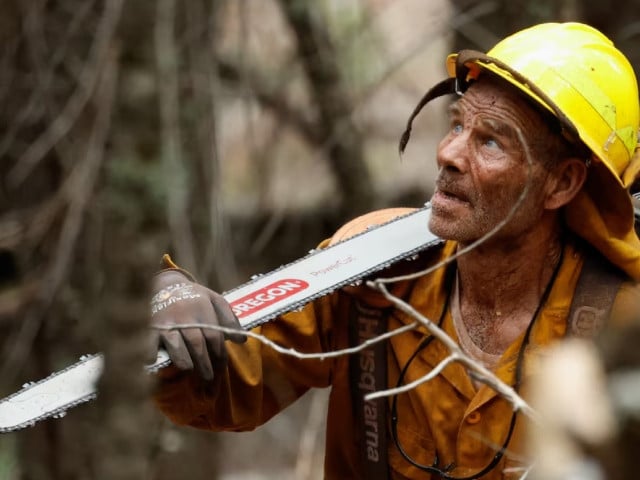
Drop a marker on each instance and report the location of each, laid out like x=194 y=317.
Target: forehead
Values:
x=494 y=99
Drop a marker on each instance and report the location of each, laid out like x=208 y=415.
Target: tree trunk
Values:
x=338 y=135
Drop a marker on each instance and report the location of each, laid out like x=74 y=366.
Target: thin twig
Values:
x=483 y=239
x=291 y=351
x=454 y=357
x=488 y=377
x=526 y=470
x=167 y=57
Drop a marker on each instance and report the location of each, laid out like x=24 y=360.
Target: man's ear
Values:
x=566 y=180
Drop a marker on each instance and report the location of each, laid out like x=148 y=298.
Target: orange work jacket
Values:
x=447 y=415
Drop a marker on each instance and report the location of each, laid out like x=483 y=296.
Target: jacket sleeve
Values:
x=258 y=382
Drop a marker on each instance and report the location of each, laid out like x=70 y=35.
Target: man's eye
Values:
x=456 y=128
x=491 y=143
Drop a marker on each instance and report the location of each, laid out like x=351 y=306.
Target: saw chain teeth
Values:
x=161 y=362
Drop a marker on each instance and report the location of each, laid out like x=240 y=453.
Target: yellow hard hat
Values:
x=577 y=73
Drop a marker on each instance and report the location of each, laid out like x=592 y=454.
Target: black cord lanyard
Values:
x=433 y=468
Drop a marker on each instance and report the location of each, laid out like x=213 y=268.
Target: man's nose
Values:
x=453 y=152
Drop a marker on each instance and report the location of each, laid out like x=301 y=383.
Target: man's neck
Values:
x=501 y=288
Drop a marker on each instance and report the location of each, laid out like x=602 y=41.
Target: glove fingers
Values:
x=177 y=349
x=217 y=349
x=227 y=318
x=198 y=346
x=151 y=348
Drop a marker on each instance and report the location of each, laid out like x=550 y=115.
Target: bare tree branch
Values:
x=46 y=79
x=88 y=79
x=217 y=261
x=77 y=190
x=292 y=351
x=273 y=100
x=171 y=138
x=317 y=54
x=457 y=355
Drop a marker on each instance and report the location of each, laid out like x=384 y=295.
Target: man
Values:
x=533 y=177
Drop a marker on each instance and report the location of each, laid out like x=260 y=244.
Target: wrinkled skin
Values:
x=496 y=145
x=483 y=166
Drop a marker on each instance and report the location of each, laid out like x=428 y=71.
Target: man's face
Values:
x=483 y=166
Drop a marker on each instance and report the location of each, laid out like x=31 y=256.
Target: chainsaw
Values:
x=263 y=298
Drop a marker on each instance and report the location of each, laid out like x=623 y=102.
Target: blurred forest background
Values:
x=234 y=134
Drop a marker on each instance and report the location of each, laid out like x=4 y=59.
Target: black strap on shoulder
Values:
x=593 y=299
x=368 y=373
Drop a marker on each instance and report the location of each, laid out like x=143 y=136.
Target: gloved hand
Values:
x=178 y=300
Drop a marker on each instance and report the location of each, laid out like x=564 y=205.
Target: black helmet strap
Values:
x=445 y=87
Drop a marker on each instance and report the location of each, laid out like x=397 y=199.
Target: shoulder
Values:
x=410 y=266
x=366 y=221
x=378 y=217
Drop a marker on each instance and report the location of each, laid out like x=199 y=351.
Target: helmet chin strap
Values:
x=451 y=86
x=445 y=87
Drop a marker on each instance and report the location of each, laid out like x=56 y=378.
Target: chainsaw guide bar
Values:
x=260 y=300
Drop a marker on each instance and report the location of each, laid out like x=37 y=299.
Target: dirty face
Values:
x=483 y=167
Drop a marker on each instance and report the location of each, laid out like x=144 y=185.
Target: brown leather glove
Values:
x=179 y=300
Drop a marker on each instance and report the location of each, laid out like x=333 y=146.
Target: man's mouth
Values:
x=447 y=192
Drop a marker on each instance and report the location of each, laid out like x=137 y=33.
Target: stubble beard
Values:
x=462 y=230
